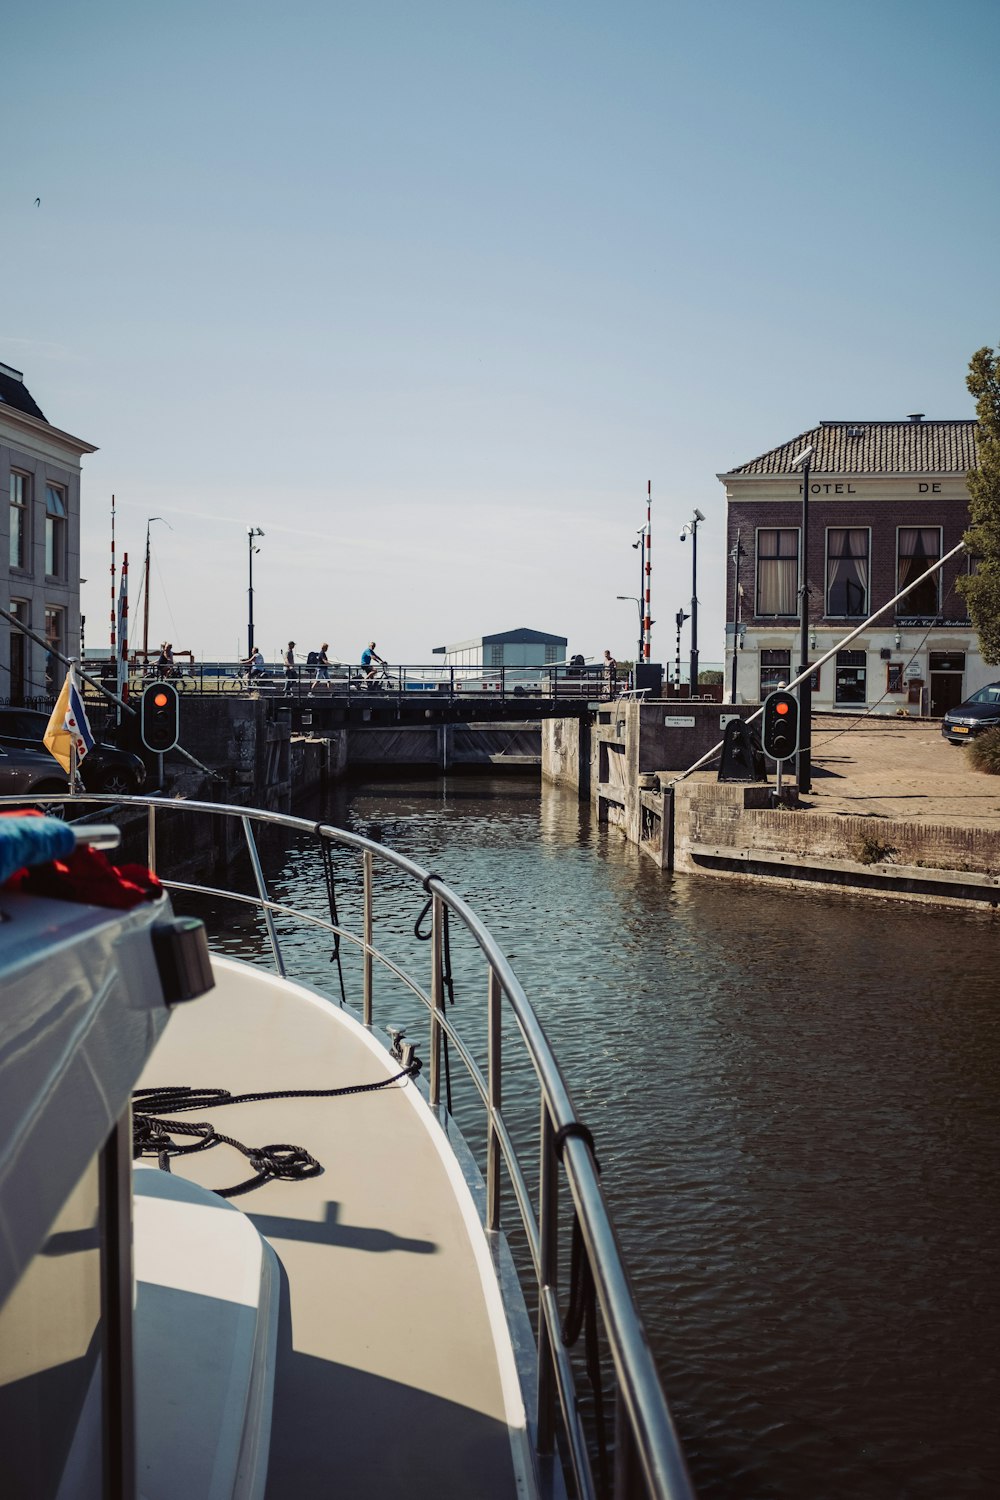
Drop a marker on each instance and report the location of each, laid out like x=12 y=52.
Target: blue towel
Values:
x=32 y=841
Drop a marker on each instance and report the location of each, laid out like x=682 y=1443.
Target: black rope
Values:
x=326 y=851
x=581 y=1312
x=154 y=1136
x=446 y=973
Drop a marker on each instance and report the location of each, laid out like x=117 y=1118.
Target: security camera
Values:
x=684 y=536
x=698 y=515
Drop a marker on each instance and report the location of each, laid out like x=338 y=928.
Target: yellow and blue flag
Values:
x=68 y=725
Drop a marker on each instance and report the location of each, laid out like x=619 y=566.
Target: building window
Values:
x=777 y=572
x=775 y=671
x=21 y=610
x=946 y=661
x=894 y=677
x=55 y=531
x=19 y=494
x=918 y=547
x=496 y=656
x=847 y=571
x=552 y=654
x=55 y=634
x=852 y=675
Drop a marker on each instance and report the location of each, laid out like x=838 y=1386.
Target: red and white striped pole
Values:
x=114 y=601
x=647 y=620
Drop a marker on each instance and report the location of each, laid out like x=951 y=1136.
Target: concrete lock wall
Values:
x=566 y=754
x=633 y=741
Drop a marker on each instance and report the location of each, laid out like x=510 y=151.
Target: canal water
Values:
x=795 y=1102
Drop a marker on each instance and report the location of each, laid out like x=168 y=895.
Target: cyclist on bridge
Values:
x=368 y=660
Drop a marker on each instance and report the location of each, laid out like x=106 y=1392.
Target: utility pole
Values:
x=252 y=533
x=680 y=618
x=804 y=758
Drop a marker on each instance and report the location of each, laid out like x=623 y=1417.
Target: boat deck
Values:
x=394 y=1372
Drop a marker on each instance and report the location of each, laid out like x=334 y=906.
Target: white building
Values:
x=507 y=648
x=40 y=558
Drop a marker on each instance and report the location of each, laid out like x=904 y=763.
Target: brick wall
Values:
x=882 y=517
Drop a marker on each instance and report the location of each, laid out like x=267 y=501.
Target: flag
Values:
x=68 y=725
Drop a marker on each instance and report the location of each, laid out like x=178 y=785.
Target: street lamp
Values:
x=252 y=533
x=640 y=547
x=804 y=757
x=737 y=552
x=690 y=529
x=634 y=600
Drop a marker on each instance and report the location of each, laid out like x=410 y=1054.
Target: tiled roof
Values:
x=875 y=448
x=14 y=392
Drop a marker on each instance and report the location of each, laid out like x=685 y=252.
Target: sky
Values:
x=430 y=292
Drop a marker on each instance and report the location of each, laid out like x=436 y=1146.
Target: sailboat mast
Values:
x=145 y=601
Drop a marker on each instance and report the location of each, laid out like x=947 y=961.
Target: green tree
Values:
x=982 y=588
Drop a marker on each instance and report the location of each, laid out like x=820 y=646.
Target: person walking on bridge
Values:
x=290 y=673
x=321 y=662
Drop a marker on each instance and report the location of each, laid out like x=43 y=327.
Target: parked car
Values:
x=104 y=769
x=981 y=711
x=25 y=772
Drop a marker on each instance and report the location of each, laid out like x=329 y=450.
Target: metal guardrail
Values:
x=646 y=1453
x=409 y=682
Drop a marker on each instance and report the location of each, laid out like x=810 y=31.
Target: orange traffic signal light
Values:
x=159 y=716
x=780 y=730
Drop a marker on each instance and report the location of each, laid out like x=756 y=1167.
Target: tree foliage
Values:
x=982 y=588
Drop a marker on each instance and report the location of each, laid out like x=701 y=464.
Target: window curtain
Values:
x=777 y=572
x=847 y=571
x=919 y=546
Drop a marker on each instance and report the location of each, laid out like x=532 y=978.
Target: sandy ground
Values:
x=913 y=775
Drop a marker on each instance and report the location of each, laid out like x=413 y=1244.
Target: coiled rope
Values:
x=155 y=1137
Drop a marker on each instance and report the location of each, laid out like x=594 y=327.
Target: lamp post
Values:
x=690 y=529
x=640 y=547
x=804 y=757
x=737 y=552
x=252 y=533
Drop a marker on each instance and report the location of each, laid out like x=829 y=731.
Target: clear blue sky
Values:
x=430 y=291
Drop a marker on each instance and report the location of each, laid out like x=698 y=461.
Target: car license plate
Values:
x=959 y=729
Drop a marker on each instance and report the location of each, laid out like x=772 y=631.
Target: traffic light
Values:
x=780 y=731
x=159 y=717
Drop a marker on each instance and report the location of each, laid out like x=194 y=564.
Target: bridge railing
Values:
x=409 y=681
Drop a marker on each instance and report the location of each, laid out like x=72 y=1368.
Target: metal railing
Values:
x=453 y=684
x=645 y=1451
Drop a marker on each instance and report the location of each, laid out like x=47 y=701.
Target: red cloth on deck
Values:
x=87 y=876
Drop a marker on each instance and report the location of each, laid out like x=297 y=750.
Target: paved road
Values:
x=910 y=774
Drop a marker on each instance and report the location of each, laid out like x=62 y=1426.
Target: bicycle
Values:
x=380 y=681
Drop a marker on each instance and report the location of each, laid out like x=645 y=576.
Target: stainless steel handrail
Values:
x=639 y=1393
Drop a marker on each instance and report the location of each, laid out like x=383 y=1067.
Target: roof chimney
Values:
x=916 y=416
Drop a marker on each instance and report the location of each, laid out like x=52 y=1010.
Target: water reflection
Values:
x=795 y=1099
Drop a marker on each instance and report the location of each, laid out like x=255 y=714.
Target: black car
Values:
x=981 y=711
x=103 y=769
